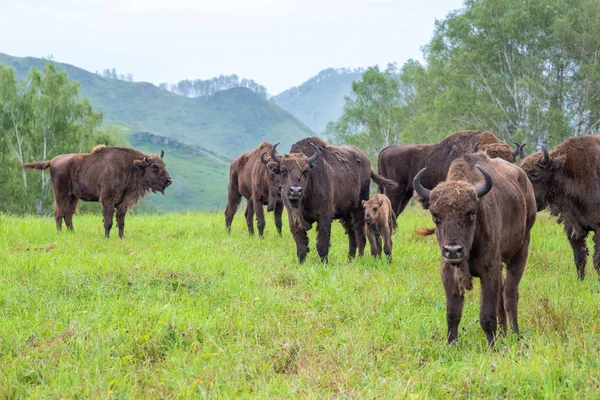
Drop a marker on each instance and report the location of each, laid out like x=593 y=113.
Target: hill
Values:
x=321 y=98
x=227 y=123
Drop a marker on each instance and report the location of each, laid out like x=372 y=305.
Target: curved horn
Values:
x=262 y=158
x=476 y=148
x=162 y=154
x=147 y=160
x=274 y=156
x=516 y=152
x=522 y=152
x=424 y=193
x=487 y=186
x=314 y=157
x=545 y=160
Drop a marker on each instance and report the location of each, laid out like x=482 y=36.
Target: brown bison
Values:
x=250 y=177
x=321 y=183
x=567 y=181
x=480 y=225
x=401 y=163
x=380 y=222
x=117 y=177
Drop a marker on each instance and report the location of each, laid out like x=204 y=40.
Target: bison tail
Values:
x=36 y=165
x=381 y=181
x=425 y=231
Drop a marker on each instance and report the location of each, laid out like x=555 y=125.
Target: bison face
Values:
x=155 y=173
x=372 y=208
x=454 y=206
x=541 y=169
x=294 y=170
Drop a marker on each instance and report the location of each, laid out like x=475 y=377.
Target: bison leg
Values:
x=490 y=291
x=358 y=224
x=514 y=273
x=108 y=210
x=580 y=252
x=278 y=212
x=454 y=302
x=323 y=238
x=61 y=207
x=301 y=239
x=70 y=212
x=375 y=243
x=233 y=201
x=387 y=243
x=260 y=216
x=597 y=252
x=250 y=216
x=121 y=211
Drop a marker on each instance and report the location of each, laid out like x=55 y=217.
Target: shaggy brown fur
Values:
x=380 y=222
x=117 y=177
x=401 y=163
x=476 y=235
x=569 y=185
x=330 y=187
x=259 y=184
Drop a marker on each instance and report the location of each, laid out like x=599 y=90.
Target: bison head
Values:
x=541 y=168
x=372 y=208
x=154 y=172
x=294 y=169
x=273 y=181
x=454 y=206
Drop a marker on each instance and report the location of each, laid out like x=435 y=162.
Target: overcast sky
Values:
x=278 y=43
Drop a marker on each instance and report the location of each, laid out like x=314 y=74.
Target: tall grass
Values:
x=181 y=309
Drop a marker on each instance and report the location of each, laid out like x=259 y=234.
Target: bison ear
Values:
x=363 y=203
x=380 y=203
x=274 y=167
x=139 y=163
x=162 y=154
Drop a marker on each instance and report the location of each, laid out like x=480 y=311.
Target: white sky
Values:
x=278 y=43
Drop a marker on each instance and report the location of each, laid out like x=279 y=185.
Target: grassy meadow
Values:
x=181 y=309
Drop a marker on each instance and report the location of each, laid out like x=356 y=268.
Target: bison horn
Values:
x=424 y=193
x=314 y=157
x=545 y=160
x=476 y=148
x=263 y=159
x=516 y=152
x=147 y=160
x=274 y=156
x=162 y=153
x=487 y=186
x=521 y=152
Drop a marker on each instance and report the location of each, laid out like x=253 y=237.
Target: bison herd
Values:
x=482 y=204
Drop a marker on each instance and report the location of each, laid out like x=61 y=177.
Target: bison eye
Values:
x=155 y=168
x=471 y=215
x=305 y=172
x=374 y=209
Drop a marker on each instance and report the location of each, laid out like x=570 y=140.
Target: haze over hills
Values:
x=227 y=123
x=320 y=99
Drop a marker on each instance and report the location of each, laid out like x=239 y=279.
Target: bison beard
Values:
x=479 y=226
x=116 y=177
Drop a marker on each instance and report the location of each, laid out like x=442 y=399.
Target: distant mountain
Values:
x=321 y=98
x=226 y=123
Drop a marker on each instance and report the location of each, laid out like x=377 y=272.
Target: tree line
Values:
x=527 y=71
x=208 y=87
x=41 y=117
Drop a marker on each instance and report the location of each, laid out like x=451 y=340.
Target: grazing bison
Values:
x=380 y=222
x=480 y=225
x=321 y=183
x=401 y=163
x=567 y=181
x=117 y=177
x=250 y=177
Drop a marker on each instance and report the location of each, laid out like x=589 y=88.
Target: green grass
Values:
x=181 y=309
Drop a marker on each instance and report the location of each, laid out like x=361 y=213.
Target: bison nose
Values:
x=453 y=252
x=295 y=191
x=168 y=181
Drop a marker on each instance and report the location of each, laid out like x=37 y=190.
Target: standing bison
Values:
x=380 y=223
x=480 y=225
x=321 y=183
x=117 y=177
x=567 y=181
x=250 y=177
x=401 y=163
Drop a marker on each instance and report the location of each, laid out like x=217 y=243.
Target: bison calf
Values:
x=380 y=222
x=480 y=225
x=117 y=177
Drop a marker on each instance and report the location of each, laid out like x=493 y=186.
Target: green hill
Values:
x=321 y=98
x=227 y=123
